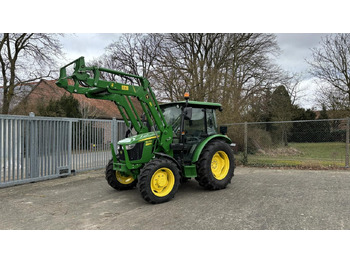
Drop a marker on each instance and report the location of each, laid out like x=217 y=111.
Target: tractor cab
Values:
x=192 y=122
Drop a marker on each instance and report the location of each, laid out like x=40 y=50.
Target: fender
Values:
x=157 y=154
x=200 y=147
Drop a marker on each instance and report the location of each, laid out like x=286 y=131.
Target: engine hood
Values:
x=139 y=138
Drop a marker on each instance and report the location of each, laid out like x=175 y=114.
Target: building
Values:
x=45 y=90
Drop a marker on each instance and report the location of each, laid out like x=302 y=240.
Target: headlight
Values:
x=129 y=147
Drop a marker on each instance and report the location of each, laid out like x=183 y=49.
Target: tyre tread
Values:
x=205 y=178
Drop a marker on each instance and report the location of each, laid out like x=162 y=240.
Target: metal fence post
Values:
x=32 y=149
x=347 y=143
x=70 y=137
x=245 y=155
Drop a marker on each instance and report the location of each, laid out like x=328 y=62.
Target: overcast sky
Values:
x=295 y=49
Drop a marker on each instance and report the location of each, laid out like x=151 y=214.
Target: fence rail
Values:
x=38 y=148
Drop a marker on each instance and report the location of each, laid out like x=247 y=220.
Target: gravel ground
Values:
x=256 y=199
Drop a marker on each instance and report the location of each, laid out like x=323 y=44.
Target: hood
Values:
x=139 y=138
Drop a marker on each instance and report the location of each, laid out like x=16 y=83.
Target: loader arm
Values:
x=87 y=81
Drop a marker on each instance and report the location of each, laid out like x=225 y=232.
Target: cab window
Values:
x=195 y=128
x=211 y=122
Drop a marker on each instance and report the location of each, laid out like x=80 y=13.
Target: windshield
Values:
x=172 y=115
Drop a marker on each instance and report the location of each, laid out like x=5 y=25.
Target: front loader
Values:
x=172 y=142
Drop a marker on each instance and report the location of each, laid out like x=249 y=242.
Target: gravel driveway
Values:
x=256 y=199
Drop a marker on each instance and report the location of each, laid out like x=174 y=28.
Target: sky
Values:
x=295 y=47
x=87 y=44
x=295 y=50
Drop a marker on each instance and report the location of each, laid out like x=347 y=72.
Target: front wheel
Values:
x=159 y=181
x=118 y=181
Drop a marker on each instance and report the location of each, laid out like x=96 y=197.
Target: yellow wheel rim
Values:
x=220 y=164
x=162 y=182
x=124 y=179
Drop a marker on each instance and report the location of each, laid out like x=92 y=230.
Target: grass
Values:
x=303 y=155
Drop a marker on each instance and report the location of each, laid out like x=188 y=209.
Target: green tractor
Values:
x=171 y=143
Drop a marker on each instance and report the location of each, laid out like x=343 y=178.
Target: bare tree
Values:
x=226 y=68
x=87 y=110
x=331 y=65
x=333 y=99
x=291 y=81
x=133 y=53
x=189 y=62
x=248 y=71
x=25 y=58
x=229 y=68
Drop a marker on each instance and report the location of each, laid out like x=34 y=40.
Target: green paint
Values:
x=190 y=171
x=200 y=147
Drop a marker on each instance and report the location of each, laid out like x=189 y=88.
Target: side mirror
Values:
x=188 y=113
x=223 y=130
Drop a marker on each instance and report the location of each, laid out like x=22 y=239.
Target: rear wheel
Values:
x=215 y=165
x=116 y=180
x=159 y=181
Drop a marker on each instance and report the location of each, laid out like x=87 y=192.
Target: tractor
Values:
x=165 y=145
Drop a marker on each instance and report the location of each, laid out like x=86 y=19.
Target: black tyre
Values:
x=159 y=180
x=116 y=180
x=215 y=165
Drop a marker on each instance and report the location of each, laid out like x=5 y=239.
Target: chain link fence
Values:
x=306 y=144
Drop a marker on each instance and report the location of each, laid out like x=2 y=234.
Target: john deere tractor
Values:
x=167 y=144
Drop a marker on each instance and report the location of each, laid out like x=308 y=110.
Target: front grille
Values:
x=134 y=154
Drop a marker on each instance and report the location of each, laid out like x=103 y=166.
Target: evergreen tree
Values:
x=281 y=110
x=66 y=106
x=323 y=127
x=303 y=131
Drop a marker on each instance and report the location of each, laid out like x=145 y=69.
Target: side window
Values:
x=211 y=122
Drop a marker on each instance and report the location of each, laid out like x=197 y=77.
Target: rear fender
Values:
x=200 y=147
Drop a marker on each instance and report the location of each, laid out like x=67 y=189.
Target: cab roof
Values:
x=194 y=104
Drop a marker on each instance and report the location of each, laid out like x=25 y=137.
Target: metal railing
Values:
x=91 y=141
x=38 y=148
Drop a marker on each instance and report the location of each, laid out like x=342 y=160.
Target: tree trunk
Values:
x=5 y=102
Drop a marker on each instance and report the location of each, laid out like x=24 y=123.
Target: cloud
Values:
x=307 y=95
x=295 y=49
x=88 y=45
